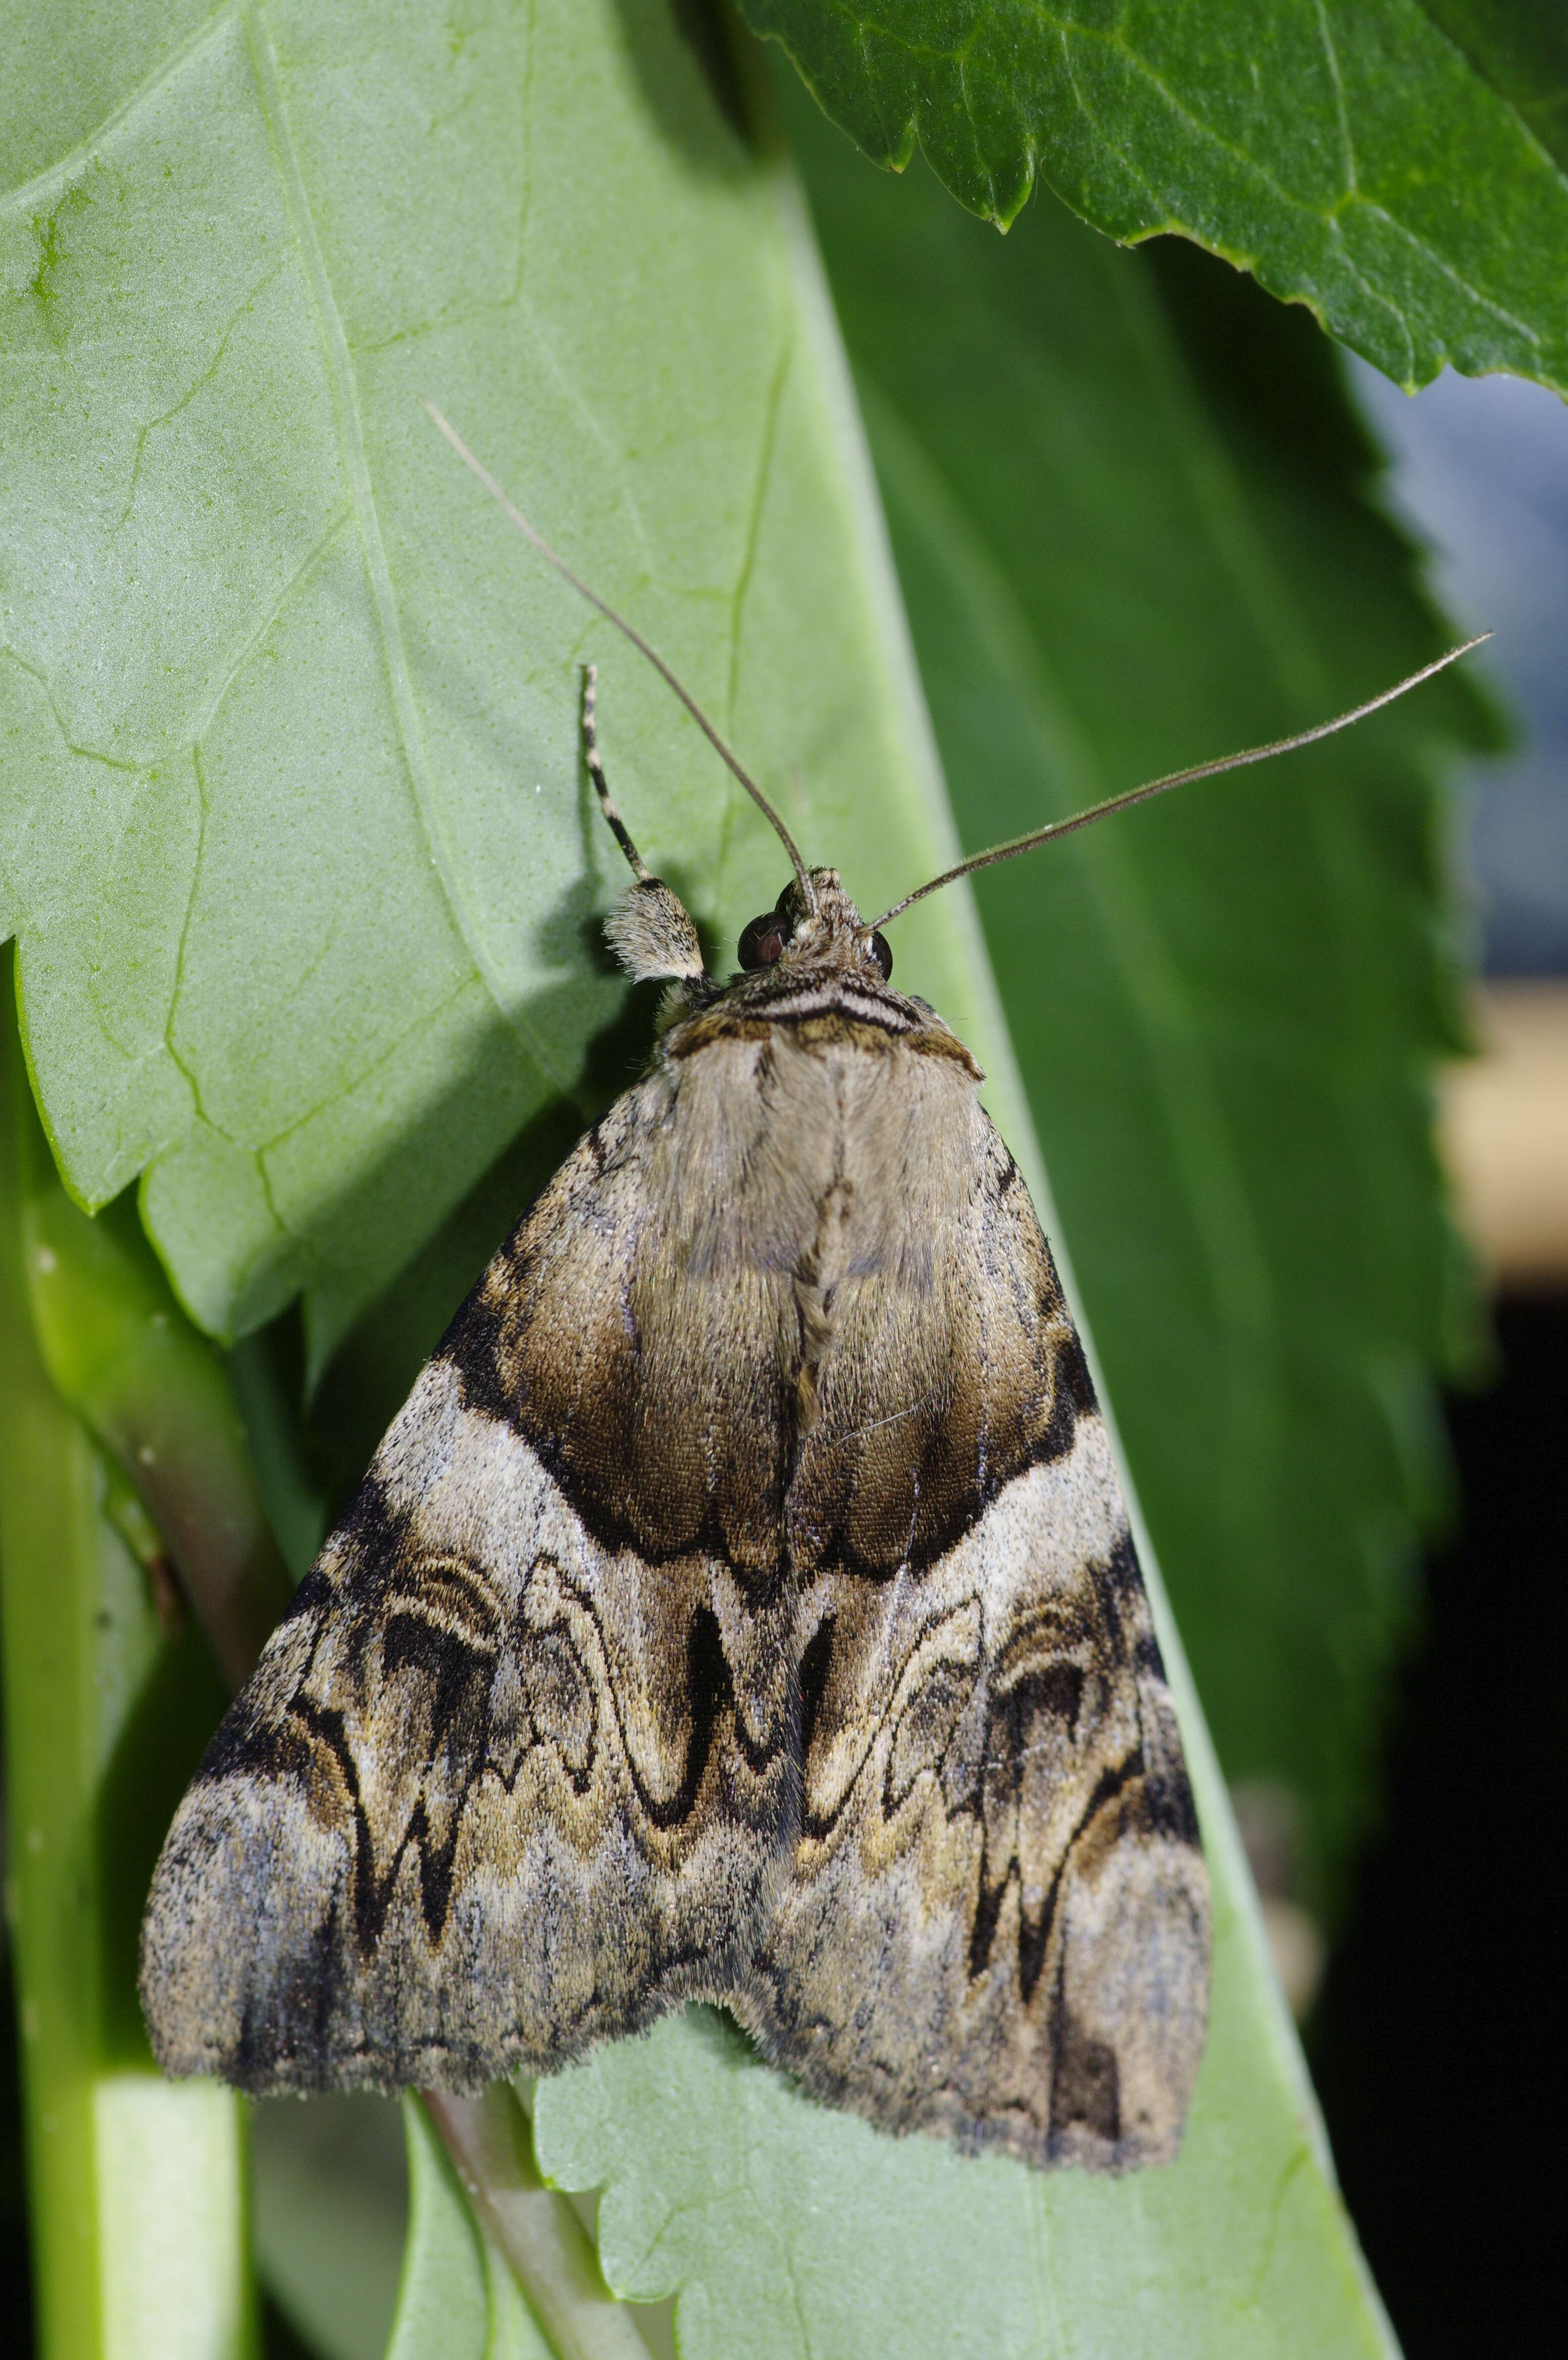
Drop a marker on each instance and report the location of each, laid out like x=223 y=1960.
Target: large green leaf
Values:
x=1399 y=167
x=1130 y=509
x=294 y=843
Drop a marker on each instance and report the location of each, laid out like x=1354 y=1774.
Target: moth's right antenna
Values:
x=528 y=532
x=648 y=930
x=617 y=827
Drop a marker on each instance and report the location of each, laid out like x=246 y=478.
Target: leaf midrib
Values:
x=1200 y=1134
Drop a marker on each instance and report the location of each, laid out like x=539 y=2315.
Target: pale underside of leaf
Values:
x=300 y=860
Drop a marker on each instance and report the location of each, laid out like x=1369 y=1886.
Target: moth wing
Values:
x=488 y=1795
x=997 y=1924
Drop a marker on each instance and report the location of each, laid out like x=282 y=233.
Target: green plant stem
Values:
x=136 y=2185
x=157 y=1396
x=539 y=2232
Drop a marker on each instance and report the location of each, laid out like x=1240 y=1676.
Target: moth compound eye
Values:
x=763 y=943
x=882 y=951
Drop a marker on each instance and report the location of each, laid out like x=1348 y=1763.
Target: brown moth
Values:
x=742 y=1608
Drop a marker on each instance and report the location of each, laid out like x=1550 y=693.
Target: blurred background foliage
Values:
x=1137 y=521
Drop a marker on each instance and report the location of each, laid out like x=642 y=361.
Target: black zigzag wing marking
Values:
x=450 y=1827
x=515 y=1802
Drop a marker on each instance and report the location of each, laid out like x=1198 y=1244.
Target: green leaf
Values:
x=293 y=827
x=1396 y=167
x=1130 y=508
x=457 y=2300
x=303 y=868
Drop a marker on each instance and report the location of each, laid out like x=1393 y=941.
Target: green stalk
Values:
x=136 y=2185
x=551 y=2254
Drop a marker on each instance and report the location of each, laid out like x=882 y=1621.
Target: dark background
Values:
x=1436 y=2043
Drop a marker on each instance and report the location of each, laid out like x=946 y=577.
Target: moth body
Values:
x=742 y=1608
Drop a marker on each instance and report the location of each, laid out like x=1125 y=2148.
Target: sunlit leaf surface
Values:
x=295 y=844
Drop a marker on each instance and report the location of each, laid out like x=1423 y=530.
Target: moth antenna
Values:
x=530 y=533
x=617 y=826
x=1038 y=836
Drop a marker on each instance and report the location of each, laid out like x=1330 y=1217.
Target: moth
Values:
x=742 y=1608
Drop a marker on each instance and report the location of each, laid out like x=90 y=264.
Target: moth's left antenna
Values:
x=528 y=532
x=1038 y=836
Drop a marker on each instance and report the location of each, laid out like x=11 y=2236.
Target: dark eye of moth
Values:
x=882 y=951
x=763 y=943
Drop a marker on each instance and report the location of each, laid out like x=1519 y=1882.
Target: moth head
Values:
x=660 y=940
x=831 y=930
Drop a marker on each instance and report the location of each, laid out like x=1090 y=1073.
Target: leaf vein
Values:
x=205 y=377
x=1532 y=336
x=754 y=520
x=72 y=745
x=67 y=168
x=203 y=802
x=345 y=396
x=1330 y=55
x=254 y=638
